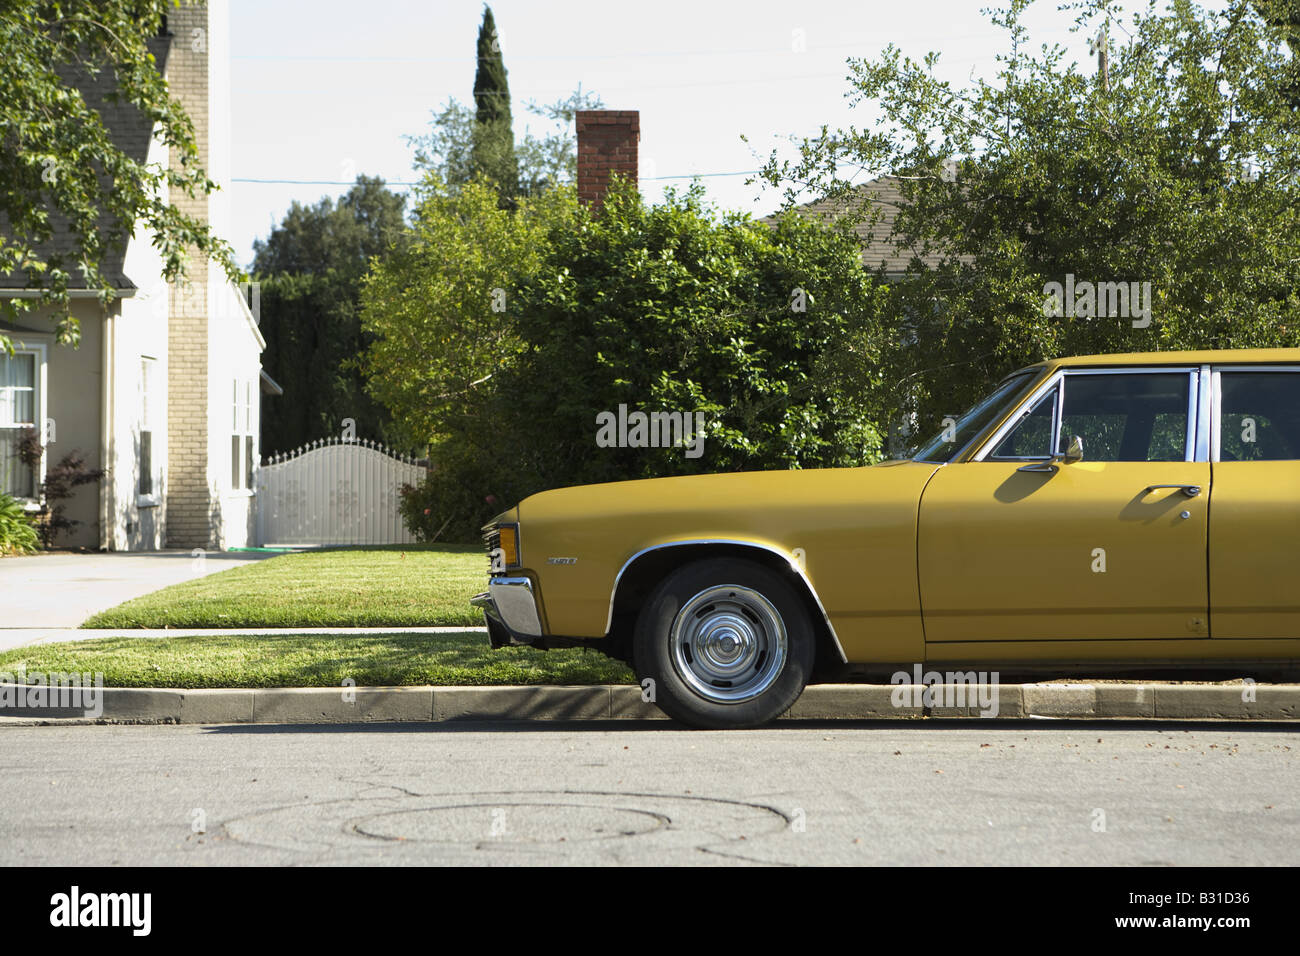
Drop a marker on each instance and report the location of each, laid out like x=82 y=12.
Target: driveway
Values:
x=62 y=590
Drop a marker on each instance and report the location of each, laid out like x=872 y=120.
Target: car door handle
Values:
x=1190 y=491
x=1041 y=466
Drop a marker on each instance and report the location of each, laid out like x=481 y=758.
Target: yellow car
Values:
x=1134 y=510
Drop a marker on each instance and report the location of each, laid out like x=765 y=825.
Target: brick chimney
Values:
x=607 y=143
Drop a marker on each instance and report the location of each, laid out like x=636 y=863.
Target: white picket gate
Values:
x=334 y=491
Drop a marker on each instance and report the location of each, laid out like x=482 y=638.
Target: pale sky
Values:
x=326 y=90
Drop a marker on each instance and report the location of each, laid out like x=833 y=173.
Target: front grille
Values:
x=492 y=541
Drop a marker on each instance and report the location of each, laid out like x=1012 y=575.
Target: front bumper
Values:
x=510 y=608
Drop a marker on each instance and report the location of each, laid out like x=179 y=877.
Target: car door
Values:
x=1255 y=505
x=1019 y=545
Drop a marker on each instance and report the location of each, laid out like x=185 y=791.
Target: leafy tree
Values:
x=1180 y=171
x=446 y=151
x=61 y=171
x=1284 y=16
x=669 y=308
x=310 y=269
x=551 y=159
x=544 y=160
x=679 y=307
x=439 y=305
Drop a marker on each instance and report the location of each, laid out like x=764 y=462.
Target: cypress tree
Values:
x=494 y=140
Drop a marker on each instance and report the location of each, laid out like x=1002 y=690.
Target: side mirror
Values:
x=1074 y=452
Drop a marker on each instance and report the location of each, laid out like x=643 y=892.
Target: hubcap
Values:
x=728 y=644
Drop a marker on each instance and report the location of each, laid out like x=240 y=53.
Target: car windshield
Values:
x=958 y=433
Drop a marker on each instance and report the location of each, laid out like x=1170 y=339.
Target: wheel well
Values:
x=645 y=572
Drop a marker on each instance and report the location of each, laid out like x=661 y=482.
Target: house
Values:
x=163 y=391
x=874 y=206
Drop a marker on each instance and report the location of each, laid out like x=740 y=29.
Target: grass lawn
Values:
x=315 y=661
x=391 y=585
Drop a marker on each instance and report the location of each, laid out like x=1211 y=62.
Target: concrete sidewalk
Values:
x=337 y=705
x=62 y=590
x=27 y=636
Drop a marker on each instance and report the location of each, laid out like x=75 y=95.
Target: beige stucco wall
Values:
x=74 y=385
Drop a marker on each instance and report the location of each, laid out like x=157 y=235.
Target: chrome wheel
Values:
x=728 y=644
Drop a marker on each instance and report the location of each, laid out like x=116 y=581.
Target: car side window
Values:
x=1127 y=416
x=1032 y=437
x=1259 y=416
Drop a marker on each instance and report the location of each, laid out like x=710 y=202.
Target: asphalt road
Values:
x=887 y=792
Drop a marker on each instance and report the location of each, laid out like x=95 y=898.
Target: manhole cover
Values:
x=498 y=826
x=511 y=823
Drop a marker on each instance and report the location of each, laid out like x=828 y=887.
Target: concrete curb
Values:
x=327 y=705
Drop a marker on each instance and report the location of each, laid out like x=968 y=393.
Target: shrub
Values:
x=17 y=533
x=507 y=353
x=60 y=482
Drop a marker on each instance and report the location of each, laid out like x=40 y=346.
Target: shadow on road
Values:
x=1036 y=725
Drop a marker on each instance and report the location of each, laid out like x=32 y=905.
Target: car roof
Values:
x=1198 y=357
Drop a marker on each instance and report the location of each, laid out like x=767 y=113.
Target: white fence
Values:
x=334 y=492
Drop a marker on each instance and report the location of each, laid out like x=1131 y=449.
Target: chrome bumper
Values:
x=510 y=608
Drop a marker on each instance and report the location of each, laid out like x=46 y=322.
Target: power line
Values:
x=636 y=87
x=399 y=182
x=314 y=182
x=810 y=47
x=763 y=51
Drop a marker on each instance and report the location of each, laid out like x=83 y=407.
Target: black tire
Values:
x=698 y=618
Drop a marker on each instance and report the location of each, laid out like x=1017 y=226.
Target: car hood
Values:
x=729 y=496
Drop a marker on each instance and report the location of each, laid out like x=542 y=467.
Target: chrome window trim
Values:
x=1216 y=406
x=1193 y=407
x=1216 y=391
x=1188 y=442
x=974 y=438
x=1029 y=402
x=955 y=456
x=1206 y=393
x=1018 y=420
x=803 y=576
x=1058 y=419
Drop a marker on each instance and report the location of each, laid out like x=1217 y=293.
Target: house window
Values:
x=241 y=438
x=21 y=404
x=148 y=398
